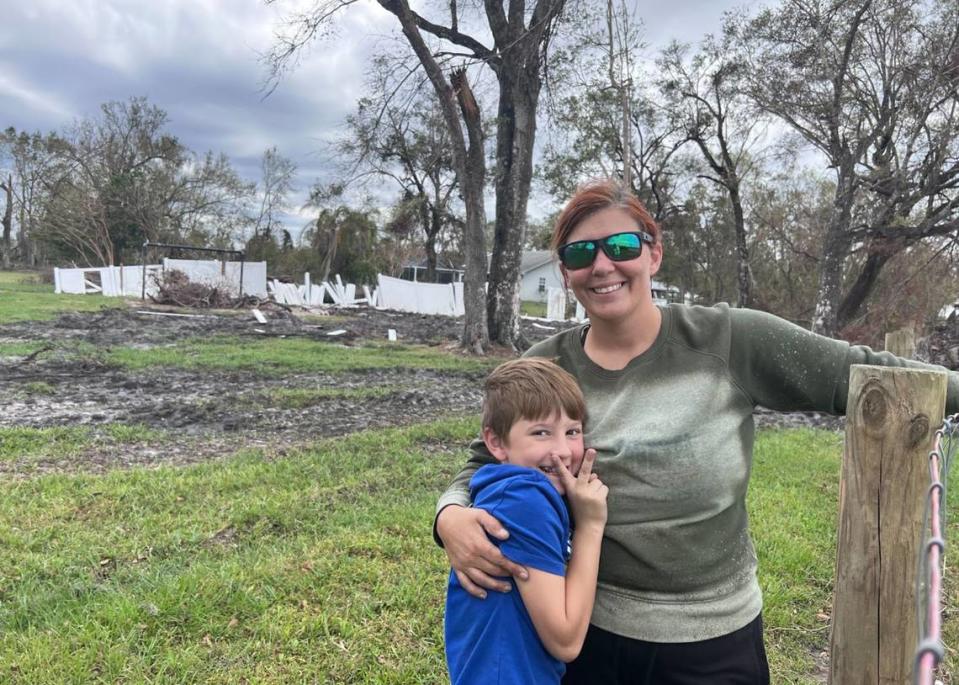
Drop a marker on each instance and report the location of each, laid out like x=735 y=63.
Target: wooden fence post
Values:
x=902 y=343
x=891 y=416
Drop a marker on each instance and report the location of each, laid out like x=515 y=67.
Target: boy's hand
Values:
x=586 y=492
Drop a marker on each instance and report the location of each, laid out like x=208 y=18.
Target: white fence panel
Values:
x=459 y=306
x=71 y=281
x=422 y=298
x=555 y=304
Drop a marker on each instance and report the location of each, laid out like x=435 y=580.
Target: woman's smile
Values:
x=605 y=289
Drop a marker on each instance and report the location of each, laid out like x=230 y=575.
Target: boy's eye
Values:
x=540 y=432
x=572 y=432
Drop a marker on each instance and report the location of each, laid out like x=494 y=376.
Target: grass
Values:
x=532 y=308
x=39 y=388
x=63 y=441
x=318 y=567
x=19 y=349
x=279 y=356
x=24 y=298
x=299 y=398
x=314 y=568
x=793 y=510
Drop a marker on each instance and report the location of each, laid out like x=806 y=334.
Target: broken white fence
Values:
x=127 y=281
x=316 y=294
x=112 y=281
x=422 y=298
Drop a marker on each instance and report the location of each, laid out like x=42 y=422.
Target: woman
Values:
x=670 y=394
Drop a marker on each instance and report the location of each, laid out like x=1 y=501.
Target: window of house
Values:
x=542 y=284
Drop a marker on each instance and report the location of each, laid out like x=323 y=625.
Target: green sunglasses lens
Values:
x=579 y=255
x=619 y=247
x=623 y=246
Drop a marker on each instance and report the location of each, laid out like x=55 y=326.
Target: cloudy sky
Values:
x=200 y=61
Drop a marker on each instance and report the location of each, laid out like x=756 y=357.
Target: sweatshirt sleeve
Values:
x=458 y=491
x=785 y=367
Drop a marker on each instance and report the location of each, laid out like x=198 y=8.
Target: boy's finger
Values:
x=567 y=478
x=587 y=468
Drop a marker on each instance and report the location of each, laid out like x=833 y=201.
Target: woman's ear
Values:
x=655 y=257
x=493 y=443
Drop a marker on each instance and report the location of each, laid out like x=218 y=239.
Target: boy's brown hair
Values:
x=529 y=388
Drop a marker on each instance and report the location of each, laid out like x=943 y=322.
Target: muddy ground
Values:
x=206 y=414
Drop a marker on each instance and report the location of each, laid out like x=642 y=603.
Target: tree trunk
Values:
x=516 y=131
x=852 y=303
x=835 y=251
x=744 y=274
x=431 y=225
x=470 y=168
x=7 y=220
x=327 y=251
x=472 y=186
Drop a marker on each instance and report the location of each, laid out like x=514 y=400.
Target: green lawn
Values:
x=35 y=443
x=317 y=567
x=24 y=298
x=532 y=308
x=276 y=356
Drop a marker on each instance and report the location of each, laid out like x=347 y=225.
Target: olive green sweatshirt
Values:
x=673 y=431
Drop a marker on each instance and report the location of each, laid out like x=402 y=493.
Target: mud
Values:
x=206 y=414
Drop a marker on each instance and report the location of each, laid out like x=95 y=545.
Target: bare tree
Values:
x=117 y=179
x=7 y=222
x=398 y=134
x=704 y=94
x=277 y=174
x=520 y=38
x=910 y=177
x=37 y=162
x=606 y=120
x=871 y=84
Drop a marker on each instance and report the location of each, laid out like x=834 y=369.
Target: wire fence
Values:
x=930 y=651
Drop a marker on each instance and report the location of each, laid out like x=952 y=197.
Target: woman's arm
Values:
x=560 y=607
x=785 y=367
x=472 y=556
x=464 y=532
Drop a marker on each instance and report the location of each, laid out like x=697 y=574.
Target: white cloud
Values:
x=48 y=105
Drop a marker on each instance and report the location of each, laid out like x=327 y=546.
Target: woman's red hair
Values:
x=595 y=196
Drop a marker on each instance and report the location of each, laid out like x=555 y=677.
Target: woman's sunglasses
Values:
x=619 y=247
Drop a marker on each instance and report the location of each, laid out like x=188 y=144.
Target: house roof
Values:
x=533 y=259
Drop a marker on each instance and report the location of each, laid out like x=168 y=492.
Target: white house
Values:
x=538 y=272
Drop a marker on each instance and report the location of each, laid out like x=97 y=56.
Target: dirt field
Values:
x=206 y=414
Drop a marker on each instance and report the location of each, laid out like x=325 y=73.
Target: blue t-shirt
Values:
x=493 y=641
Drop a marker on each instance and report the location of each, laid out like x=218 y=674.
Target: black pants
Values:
x=735 y=659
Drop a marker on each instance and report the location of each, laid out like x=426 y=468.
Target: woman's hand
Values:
x=475 y=559
x=585 y=491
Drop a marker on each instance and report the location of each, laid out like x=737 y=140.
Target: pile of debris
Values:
x=175 y=288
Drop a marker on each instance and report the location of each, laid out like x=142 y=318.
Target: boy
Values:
x=533 y=424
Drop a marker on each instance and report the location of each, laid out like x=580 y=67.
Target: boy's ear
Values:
x=493 y=443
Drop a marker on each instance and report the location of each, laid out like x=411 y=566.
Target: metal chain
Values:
x=930 y=651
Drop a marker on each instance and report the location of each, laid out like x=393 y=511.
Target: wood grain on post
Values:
x=902 y=343
x=891 y=417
